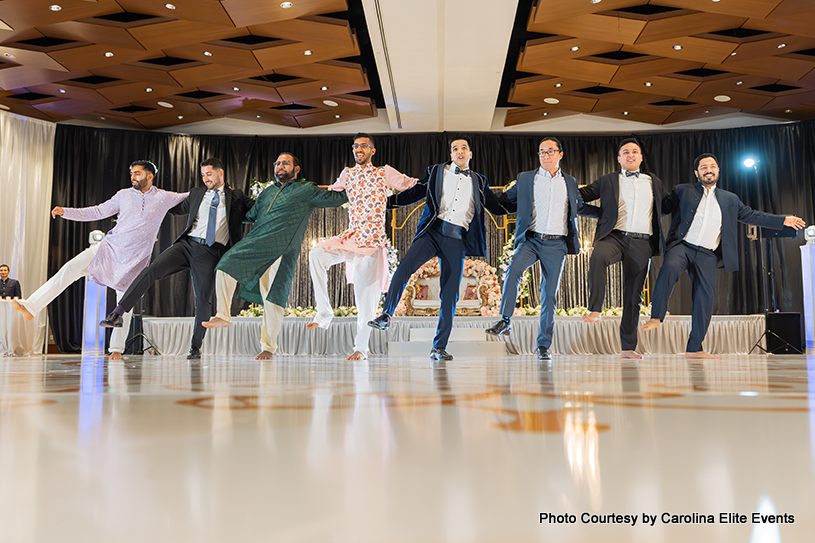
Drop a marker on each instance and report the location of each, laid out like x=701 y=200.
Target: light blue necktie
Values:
x=213 y=218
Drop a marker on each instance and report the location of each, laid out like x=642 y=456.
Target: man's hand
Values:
x=59 y=211
x=795 y=222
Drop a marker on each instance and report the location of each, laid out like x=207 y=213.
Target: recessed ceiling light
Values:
x=55 y=7
x=308 y=52
x=62 y=91
x=558 y=85
x=625 y=113
x=102 y=118
x=545 y=113
x=108 y=54
x=551 y=100
x=788 y=111
x=169 y=6
x=648 y=84
x=286 y=5
x=323 y=88
x=148 y=89
x=9 y=55
x=337 y=116
x=330 y=103
x=596 y=1
x=575 y=48
x=714 y=1
x=4 y=106
x=165 y=104
x=236 y=89
x=207 y=54
x=733 y=54
x=180 y=116
x=257 y=116
x=677 y=47
x=722 y=98
x=706 y=111
x=782 y=45
x=739 y=82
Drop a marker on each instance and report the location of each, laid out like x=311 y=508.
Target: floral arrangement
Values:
x=341 y=311
x=503 y=265
x=256 y=187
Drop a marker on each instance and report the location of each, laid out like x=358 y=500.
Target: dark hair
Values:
x=554 y=139
x=4 y=266
x=703 y=156
x=460 y=137
x=294 y=159
x=146 y=164
x=364 y=135
x=214 y=162
x=626 y=141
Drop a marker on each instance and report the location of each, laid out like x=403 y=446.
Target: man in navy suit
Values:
x=214 y=223
x=628 y=230
x=548 y=201
x=703 y=233
x=451 y=226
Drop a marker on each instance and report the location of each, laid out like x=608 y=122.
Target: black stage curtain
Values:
x=91 y=164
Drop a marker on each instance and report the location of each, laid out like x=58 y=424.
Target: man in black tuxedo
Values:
x=9 y=288
x=214 y=223
x=451 y=226
x=628 y=230
x=703 y=234
x=547 y=201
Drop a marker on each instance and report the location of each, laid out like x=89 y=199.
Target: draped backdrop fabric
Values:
x=26 y=169
x=92 y=164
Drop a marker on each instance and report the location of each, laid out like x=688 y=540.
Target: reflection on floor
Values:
x=317 y=449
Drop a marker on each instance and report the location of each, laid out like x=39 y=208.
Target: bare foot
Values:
x=651 y=325
x=264 y=355
x=312 y=326
x=114 y=355
x=594 y=316
x=701 y=355
x=631 y=355
x=217 y=322
x=25 y=312
x=357 y=356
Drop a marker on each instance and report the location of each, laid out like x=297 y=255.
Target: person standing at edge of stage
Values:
x=214 y=223
x=548 y=202
x=363 y=246
x=703 y=234
x=264 y=260
x=122 y=255
x=629 y=230
x=451 y=226
x=9 y=288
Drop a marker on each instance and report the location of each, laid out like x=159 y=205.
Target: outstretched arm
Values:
x=340 y=183
x=399 y=181
x=412 y=195
x=327 y=198
x=87 y=214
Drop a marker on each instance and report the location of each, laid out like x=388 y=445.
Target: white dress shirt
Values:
x=635 y=204
x=551 y=205
x=456 y=204
x=706 y=228
x=199 y=227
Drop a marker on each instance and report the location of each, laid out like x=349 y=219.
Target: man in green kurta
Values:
x=263 y=261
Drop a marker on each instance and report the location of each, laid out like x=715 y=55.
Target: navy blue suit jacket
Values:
x=430 y=188
x=236 y=202
x=683 y=202
x=521 y=197
x=607 y=189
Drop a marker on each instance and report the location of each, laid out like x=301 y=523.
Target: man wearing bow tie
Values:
x=214 y=223
x=628 y=231
x=548 y=202
x=451 y=226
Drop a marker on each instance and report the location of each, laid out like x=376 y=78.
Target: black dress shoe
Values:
x=500 y=328
x=382 y=322
x=114 y=320
x=195 y=353
x=440 y=354
x=543 y=354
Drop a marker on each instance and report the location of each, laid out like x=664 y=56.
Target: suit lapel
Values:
x=439 y=184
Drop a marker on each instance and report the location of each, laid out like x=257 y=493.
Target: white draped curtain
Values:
x=26 y=171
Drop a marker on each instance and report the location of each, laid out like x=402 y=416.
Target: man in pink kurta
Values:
x=363 y=246
x=125 y=251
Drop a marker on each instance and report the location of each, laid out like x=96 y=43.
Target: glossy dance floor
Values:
x=317 y=449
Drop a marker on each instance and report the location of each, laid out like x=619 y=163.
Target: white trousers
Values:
x=74 y=269
x=367 y=290
x=225 y=286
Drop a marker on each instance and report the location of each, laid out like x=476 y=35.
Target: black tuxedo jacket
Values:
x=236 y=202
x=430 y=188
x=607 y=189
x=683 y=203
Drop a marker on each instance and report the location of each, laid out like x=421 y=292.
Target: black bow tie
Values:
x=465 y=172
x=629 y=173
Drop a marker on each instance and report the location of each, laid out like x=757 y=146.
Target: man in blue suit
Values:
x=703 y=234
x=451 y=226
x=548 y=202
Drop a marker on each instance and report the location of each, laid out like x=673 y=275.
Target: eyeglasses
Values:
x=548 y=152
x=360 y=146
x=282 y=163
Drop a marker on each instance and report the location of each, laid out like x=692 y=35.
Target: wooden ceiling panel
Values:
x=148 y=76
x=180 y=107
x=210 y=12
x=707 y=112
x=23 y=34
x=247 y=89
x=266 y=116
x=230 y=56
x=798 y=113
x=778 y=67
x=692 y=23
x=19 y=14
x=236 y=104
x=163 y=120
x=95 y=56
x=111 y=121
x=626 y=100
x=293 y=54
x=594 y=27
x=789 y=9
x=660 y=85
x=94 y=33
x=793 y=100
x=802 y=24
x=644 y=71
x=72 y=92
x=694 y=49
x=547 y=11
x=24 y=76
x=637 y=114
x=180 y=33
x=740 y=8
x=522 y=115
x=337 y=71
x=309 y=90
x=209 y=74
x=770 y=47
x=31 y=59
x=706 y=94
x=347 y=104
x=136 y=91
x=71 y=107
x=252 y=12
x=324 y=30
x=310 y=120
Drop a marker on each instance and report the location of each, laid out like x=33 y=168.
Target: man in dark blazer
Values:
x=451 y=226
x=703 y=235
x=547 y=201
x=628 y=230
x=9 y=288
x=214 y=223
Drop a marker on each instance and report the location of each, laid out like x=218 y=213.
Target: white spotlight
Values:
x=749 y=162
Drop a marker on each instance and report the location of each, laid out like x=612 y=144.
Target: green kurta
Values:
x=279 y=226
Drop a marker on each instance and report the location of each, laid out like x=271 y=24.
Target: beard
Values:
x=708 y=181
x=285 y=177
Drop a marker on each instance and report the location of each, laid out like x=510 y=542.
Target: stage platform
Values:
x=727 y=335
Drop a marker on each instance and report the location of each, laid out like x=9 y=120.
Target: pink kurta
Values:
x=126 y=249
x=368 y=188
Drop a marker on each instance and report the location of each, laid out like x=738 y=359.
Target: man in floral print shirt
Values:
x=363 y=245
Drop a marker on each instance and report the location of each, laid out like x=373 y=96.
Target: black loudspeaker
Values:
x=785 y=333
